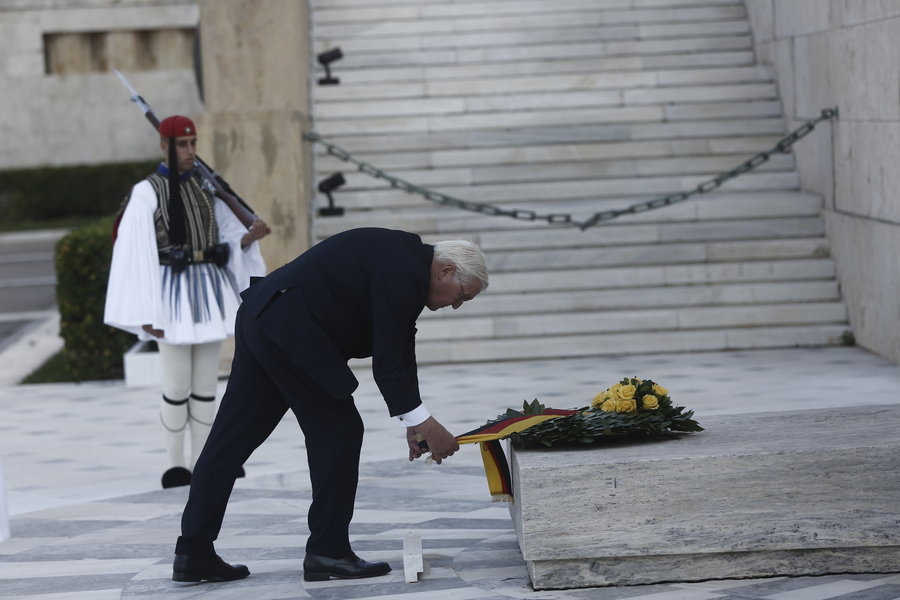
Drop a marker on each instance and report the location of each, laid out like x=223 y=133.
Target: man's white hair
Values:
x=466 y=257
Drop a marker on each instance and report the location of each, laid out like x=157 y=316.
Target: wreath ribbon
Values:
x=488 y=436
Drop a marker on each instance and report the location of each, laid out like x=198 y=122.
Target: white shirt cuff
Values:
x=416 y=416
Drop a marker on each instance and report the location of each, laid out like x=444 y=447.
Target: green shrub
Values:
x=94 y=350
x=52 y=193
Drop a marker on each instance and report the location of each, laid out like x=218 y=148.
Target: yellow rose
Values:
x=650 y=402
x=626 y=392
x=660 y=390
x=599 y=399
x=609 y=405
x=626 y=405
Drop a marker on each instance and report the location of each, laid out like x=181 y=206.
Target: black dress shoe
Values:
x=323 y=568
x=176 y=477
x=202 y=568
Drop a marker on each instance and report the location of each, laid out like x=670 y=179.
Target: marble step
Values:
x=543 y=196
x=540 y=302
x=473 y=86
x=581 y=170
x=352 y=77
x=413 y=124
x=436 y=222
x=626 y=234
x=720 y=100
x=349 y=11
x=381 y=55
x=676 y=104
x=563 y=248
x=442 y=7
x=545 y=154
x=588 y=23
x=639 y=277
x=658 y=254
x=364 y=141
x=654 y=318
x=641 y=106
x=618 y=344
x=423 y=214
x=379 y=22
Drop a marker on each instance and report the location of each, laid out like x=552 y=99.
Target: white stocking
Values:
x=189 y=372
x=204 y=381
x=174 y=417
x=176 y=363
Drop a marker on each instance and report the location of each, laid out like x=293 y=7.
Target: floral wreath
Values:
x=633 y=407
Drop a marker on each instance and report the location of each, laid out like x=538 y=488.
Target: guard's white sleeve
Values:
x=243 y=263
x=135 y=281
x=416 y=416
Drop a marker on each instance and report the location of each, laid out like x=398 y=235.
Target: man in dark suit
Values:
x=355 y=295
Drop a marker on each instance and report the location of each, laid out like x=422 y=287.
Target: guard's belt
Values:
x=179 y=258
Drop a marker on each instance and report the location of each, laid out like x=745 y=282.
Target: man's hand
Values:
x=159 y=333
x=412 y=440
x=440 y=442
x=257 y=231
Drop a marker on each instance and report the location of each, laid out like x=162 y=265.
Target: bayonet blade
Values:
x=135 y=97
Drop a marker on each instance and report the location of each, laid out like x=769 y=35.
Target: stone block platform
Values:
x=808 y=492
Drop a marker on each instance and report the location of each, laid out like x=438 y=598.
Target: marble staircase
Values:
x=578 y=106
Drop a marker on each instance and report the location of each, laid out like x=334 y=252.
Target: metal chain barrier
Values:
x=782 y=147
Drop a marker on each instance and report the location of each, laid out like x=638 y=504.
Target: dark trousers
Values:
x=262 y=386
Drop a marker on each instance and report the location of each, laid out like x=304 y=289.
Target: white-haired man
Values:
x=355 y=295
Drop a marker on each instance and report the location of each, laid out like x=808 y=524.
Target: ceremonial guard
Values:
x=180 y=260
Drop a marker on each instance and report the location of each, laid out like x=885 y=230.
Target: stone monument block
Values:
x=806 y=492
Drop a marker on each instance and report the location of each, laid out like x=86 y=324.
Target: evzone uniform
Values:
x=192 y=296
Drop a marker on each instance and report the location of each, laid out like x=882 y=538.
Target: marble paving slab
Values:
x=80 y=547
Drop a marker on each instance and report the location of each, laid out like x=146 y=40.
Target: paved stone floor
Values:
x=82 y=466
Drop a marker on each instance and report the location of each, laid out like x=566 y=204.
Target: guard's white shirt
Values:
x=143 y=292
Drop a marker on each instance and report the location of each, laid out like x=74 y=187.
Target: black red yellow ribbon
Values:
x=496 y=467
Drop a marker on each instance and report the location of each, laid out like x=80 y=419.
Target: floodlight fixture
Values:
x=325 y=59
x=326 y=186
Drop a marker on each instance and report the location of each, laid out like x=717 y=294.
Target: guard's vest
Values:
x=201 y=231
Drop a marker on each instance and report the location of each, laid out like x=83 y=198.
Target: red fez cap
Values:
x=176 y=126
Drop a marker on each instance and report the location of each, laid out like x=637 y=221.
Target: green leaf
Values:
x=534 y=408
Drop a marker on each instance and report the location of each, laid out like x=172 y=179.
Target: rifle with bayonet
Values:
x=213 y=182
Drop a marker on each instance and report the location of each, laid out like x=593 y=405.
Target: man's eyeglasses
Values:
x=463 y=296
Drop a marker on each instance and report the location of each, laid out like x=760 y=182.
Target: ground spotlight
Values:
x=326 y=186
x=325 y=59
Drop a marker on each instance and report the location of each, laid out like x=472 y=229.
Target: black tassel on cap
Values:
x=177 y=235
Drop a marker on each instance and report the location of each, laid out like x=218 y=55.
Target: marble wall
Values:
x=843 y=53
x=62 y=104
x=81 y=114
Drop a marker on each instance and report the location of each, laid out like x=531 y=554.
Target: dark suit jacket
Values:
x=354 y=295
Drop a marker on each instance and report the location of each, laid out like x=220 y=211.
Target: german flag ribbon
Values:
x=488 y=436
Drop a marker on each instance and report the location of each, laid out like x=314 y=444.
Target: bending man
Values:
x=355 y=295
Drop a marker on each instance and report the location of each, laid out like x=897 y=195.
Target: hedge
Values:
x=61 y=192
x=83 y=257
